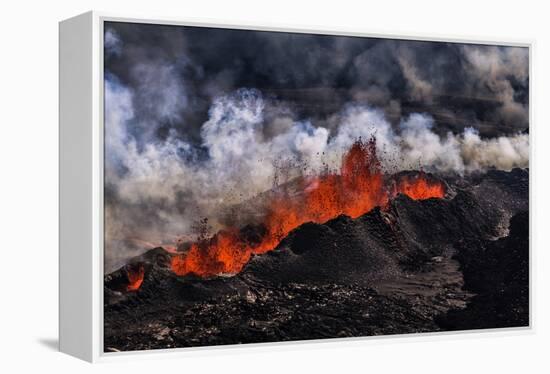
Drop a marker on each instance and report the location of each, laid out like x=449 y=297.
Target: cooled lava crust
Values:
x=439 y=264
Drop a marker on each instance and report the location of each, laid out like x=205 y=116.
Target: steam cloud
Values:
x=168 y=164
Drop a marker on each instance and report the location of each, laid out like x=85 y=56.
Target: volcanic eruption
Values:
x=387 y=253
x=270 y=186
x=359 y=186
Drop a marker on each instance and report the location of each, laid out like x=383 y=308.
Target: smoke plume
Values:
x=184 y=140
x=162 y=188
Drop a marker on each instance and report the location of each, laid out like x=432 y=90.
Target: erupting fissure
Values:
x=355 y=190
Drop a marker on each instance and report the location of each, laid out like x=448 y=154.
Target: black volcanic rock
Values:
x=380 y=244
x=412 y=266
x=501 y=193
x=341 y=250
x=498 y=273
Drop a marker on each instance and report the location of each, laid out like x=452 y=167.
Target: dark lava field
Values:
x=413 y=266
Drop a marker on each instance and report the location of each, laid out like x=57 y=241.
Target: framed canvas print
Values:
x=230 y=184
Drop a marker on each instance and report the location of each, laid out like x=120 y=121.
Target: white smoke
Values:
x=159 y=189
x=415 y=145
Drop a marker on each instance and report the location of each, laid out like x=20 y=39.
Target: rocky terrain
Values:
x=461 y=262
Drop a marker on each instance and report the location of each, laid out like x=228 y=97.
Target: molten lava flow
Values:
x=135 y=274
x=418 y=187
x=358 y=188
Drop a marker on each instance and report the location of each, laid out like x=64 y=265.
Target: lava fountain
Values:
x=357 y=188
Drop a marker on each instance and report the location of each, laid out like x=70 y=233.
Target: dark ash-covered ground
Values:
x=415 y=266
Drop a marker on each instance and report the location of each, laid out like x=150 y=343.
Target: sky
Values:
x=199 y=119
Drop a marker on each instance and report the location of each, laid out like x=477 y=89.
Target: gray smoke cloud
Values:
x=481 y=86
x=497 y=70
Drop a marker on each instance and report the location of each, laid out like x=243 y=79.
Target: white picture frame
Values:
x=81 y=181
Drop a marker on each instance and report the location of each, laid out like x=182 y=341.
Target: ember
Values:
x=358 y=188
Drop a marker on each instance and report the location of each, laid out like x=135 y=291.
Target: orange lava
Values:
x=358 y=188
x=418 y=187
x=135 y=276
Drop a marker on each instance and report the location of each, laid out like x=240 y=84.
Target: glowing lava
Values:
x=358 y=188
x=418 y=187
x=135 y=275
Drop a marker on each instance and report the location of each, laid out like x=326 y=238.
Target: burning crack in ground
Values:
x=356 y=189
